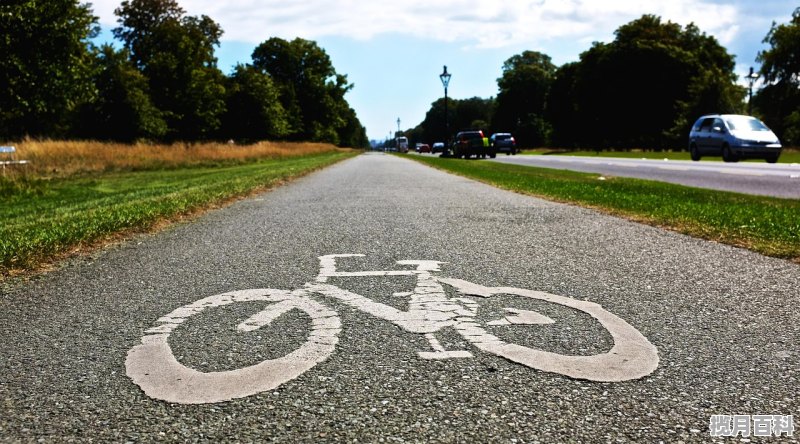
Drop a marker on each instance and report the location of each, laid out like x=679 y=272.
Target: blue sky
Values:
x=393 y=51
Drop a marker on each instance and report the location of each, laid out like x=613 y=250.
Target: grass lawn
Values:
x=788 y=155
x=46 y=217
x=770 y=226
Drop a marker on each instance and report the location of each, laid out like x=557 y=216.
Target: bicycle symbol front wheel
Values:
x=631 y=357
x=153 y=366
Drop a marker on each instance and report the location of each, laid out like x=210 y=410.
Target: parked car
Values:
x=472 y=143
x=734 y=137
x=503 y=143
x=438 y=147
x=423 y=148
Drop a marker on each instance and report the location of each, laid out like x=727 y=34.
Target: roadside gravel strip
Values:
x=722 y=320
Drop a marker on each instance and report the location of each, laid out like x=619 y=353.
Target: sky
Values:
x=393 y=51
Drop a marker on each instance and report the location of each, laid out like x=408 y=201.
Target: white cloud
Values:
x=477 y=23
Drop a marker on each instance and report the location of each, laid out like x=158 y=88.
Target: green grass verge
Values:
x=770 y=226
x=45 y=218
x=787 y=156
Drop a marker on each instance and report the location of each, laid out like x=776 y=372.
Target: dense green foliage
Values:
x=253 y=109
x=645 y=88
x=122 y=109
x=526 y=81
x=70 y=212
x=176 y=54
x=164 y=84
x=770 y=226
x=311 y=91
x=45 y=66
x=779 y=101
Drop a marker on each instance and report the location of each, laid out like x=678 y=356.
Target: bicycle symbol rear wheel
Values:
x=153 y=366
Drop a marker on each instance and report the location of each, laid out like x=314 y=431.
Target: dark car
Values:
x=733 y=137
x=503 y=143
x=472 y=143
x=423 y=148
x=438 y=147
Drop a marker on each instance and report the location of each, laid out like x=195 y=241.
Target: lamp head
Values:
x=445 y=77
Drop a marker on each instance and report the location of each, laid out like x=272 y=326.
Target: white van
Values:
x=733 y=137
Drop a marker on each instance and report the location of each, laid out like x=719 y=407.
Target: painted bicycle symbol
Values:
x=153 y=366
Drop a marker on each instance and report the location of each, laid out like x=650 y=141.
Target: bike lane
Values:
x=720 y=319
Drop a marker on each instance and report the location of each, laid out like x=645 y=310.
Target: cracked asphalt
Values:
x=724 y=321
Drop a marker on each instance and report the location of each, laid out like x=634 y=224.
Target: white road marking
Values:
x=673 y=168
x=745 y=169
x=523 y=317
x=153 y=366
x=631 y=357
x=738 y=172
x=440 y=352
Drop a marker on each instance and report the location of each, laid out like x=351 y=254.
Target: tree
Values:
x=432 y=128
x=176 y=54
x=526 y=80
x=353 y=134
x=560 y=110
x=646 y=87
x=473 y=113
x=142 y=24
x=122 y=109
x=781 y=63
x=45 y=65
x=779 y=100
x=311 y=90
x=253 y=109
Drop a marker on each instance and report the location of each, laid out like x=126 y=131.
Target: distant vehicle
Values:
x=733 y=137
x=438 y=147
x=402 y=144
x=503 y=143
x=423 y=148
x=472 y=143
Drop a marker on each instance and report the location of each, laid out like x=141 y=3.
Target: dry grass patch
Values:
x=50 y=159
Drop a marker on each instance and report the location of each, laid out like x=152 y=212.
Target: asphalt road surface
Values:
x=778 y=180
x=516 y=320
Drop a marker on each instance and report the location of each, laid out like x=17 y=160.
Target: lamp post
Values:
x=445 y=77
x=751 y=79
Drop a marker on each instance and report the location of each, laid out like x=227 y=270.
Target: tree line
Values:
x=642 y=90
x=163 y=83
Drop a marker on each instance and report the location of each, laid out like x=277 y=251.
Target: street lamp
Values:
x=751 y=79
x=445 y=77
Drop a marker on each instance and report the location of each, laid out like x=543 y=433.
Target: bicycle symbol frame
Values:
x=153 y=366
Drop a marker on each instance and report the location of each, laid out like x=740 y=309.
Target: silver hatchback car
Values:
x=733 y=137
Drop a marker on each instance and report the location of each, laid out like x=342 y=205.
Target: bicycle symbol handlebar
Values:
x=328 y=268
x=153 y=366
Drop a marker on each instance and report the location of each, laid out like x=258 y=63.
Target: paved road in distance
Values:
x=778 y=180
x=723 y=322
